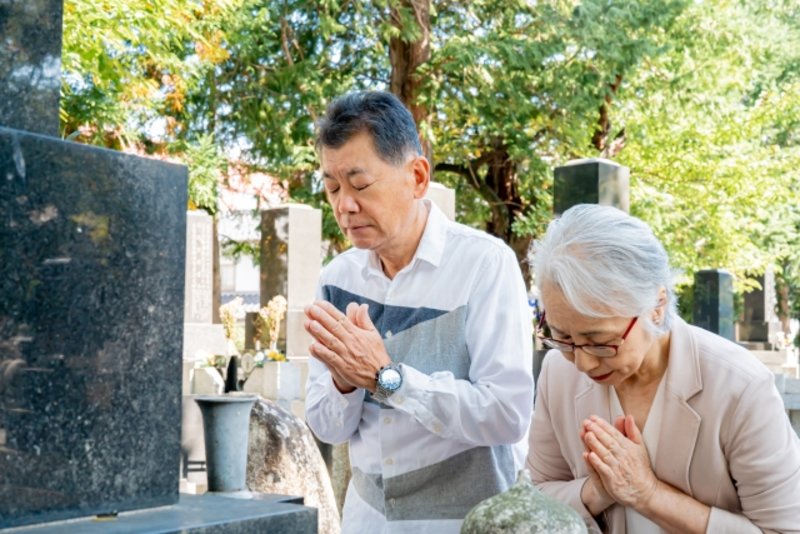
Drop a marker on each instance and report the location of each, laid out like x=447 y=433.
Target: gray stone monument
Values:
x=712 y=306
x=92 y=252
x=199 y=333
x=759 y=322
x=291 y=260
x=591 y=181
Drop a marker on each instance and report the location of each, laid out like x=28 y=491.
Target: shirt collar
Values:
x=431 y=245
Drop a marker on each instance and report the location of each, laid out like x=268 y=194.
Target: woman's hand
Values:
x=593 y=494
x=619 y=459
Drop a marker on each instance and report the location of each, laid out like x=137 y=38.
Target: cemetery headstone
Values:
x=591 y=181
x=92 y=256
x=712 y=306
x=200 y=337
x=200 y=333
x=291 y=249
x=586 y=181
x=91 y=285
x=30 y=65
x=759 y=321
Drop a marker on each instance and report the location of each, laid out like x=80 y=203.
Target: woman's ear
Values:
x=661 y=306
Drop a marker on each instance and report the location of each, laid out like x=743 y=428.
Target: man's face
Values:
x=373 y=201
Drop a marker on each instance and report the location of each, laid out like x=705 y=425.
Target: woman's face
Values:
x=634 y=357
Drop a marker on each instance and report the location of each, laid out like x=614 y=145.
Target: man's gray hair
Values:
x=606 y=263
x=379 y=113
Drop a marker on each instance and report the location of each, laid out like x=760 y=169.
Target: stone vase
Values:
x=226 y=424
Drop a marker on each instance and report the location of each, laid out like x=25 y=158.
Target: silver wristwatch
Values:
x=387 y=381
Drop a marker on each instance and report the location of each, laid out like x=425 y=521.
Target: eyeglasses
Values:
x=599 y=351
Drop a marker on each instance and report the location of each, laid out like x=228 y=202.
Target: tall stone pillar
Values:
x=591 y=181
x=199 y=333
x=759 y=321
x=291 y=250
x=712 y=307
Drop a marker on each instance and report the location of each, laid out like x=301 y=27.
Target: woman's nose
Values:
x=583 y=361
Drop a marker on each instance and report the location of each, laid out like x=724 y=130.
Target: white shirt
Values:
x=457 y=320
x=634 y=521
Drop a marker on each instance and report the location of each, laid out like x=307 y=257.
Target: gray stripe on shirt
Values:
x=435 y=345
x=445 y=490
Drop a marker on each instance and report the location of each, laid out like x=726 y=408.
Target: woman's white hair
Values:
x=606 y=263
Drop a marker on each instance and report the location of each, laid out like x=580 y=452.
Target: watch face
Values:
x=390 y=379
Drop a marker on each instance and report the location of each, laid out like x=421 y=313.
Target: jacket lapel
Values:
x=591 y=399
x=680 y=423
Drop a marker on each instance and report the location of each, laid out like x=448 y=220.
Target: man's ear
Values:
x=421 y=169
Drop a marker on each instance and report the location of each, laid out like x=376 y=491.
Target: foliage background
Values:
x=700 y=99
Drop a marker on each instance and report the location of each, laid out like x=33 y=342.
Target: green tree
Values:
x=712 y=142
x=699 y=99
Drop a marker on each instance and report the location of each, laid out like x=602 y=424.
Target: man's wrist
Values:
x=388 y=379
x=344 y=390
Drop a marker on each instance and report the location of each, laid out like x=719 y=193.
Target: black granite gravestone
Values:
x=759 y=323
x=30 y=64
x=92 y=252
x=590 y=181
x=91 y=289
x=712 y=306
x=754 y=326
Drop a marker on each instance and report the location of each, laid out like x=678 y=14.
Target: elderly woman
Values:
x=642 y=422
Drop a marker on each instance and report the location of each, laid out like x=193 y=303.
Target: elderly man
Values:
x=422 y=352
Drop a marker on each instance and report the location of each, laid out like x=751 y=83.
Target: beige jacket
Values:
x=725 y=439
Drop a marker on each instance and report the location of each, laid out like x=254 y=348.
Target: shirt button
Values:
x=388 y=334
x=437 y=427
x=387 y=420
x=398 y=399
x=389 y=461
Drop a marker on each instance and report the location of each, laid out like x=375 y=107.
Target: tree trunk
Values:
x=407 y=56
x=501 y=191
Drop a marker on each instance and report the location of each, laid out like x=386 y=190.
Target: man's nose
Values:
x=347 y=203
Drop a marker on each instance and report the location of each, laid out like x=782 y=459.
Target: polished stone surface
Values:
x=591 y=181
x=92 y=252
x=712 y=306
x=30 y=64
x=200 y=514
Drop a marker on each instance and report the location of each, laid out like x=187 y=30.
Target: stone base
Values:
x=252 y=513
